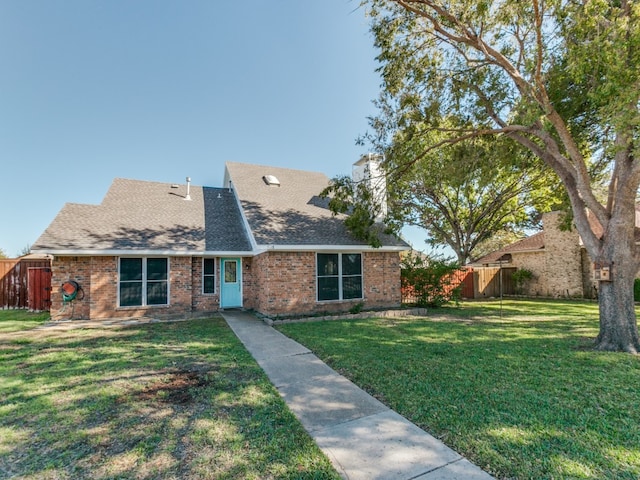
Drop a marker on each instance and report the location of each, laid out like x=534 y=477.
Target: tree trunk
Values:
x=618 y=325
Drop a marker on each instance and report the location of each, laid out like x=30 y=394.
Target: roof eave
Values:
x=218 y=253
x=144 y=253
x=331 y=248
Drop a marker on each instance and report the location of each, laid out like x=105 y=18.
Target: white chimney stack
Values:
x=369 y=171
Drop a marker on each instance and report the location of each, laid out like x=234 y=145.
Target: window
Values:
x=143 y=281
x=339 y=276
x=230 y=271
x=209 y=275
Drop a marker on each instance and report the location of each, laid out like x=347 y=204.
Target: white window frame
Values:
x=145 y=282
x=214 y=275
x=341 y=276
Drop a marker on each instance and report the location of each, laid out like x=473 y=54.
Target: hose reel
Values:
x=70 y=290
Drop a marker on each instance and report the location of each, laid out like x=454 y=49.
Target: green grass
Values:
x=517 y=389
x=16 y=320
x=171 y=401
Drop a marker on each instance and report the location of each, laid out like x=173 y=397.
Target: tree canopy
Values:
x=464 y=194
x=559 y=78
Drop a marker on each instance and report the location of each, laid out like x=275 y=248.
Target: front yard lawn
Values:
x=163 y=401
x=521 y=393
x=14 y=320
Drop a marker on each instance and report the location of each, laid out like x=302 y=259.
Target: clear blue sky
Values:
x=159 y=90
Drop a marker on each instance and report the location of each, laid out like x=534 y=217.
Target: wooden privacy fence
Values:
x=474 y=283
x=462 y=278
x=493 y=281
x=25 y=283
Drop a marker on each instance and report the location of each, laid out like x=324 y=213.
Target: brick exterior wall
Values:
x=274 y=283
x=287 y=284
x=563 y=259
x=70 y=268
x=98 y=277
x=382 y=280
x=562 y=269
x=534 y=261
x=201 y=302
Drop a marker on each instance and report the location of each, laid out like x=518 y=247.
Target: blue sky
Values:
x=160 y=90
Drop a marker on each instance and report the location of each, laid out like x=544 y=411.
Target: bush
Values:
x=520 y=277
x=636 y=289
x=429 y=282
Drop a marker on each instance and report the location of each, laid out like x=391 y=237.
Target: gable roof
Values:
x=533 y=243
x=283 y=209
x=139 y=216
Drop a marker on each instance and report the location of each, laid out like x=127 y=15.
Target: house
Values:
x=556 y=257
x=263 y=241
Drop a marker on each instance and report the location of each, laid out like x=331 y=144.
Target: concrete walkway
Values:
x=363 y=438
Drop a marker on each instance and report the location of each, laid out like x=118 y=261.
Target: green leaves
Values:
x=465 y=193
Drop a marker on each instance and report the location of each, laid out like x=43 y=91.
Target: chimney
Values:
x=369 y=171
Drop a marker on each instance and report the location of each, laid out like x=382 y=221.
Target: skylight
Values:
x=271 y=180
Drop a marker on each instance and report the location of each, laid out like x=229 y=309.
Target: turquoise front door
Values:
x=231 y=285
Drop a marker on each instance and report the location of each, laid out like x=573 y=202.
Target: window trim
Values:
x=341 y=277
x=145 y=282
x=214 y=275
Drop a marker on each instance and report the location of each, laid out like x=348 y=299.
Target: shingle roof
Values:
x=532 y=243
x=291 y=213
x=138 y=215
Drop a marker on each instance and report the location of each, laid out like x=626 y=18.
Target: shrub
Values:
x=520 y=277
x=636 y=289
x=357 y=308
x=429 y=282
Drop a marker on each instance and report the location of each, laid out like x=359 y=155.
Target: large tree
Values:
x=466 y=193
x=559 y=77
x=461 y=195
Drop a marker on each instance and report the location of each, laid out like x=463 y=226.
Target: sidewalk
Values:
x=363 y=438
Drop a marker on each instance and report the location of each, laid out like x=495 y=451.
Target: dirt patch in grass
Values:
x=175 y=400
x=179 y=388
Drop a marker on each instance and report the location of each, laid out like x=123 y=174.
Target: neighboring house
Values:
x=264 y=241
x=557 y=258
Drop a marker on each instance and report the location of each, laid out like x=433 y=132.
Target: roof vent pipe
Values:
x=188 y=197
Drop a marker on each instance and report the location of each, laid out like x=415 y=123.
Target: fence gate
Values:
x=492 y=281
x=16 y=280
x=39 y=288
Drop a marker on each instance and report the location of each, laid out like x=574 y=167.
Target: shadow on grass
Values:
x=181 y=400
x=522 y=396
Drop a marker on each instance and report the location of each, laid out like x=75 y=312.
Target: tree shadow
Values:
x=174 y=400
x=292 y=226
x=499 y=393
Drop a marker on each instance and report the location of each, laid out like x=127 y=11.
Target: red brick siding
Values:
x=70 y=268
x=98 y=277
x=274 y=283
x=201 y=302
x=287 y=284
x=250 y=283
x=382 y=279
x=104 y=287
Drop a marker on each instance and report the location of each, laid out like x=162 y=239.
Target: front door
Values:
x=231 y=284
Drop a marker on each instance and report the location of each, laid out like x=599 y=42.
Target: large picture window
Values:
x=339 y=276
x=143 y=281
x=209 y=275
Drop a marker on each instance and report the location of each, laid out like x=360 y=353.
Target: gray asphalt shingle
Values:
x=291 y=213
x=139 y=215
